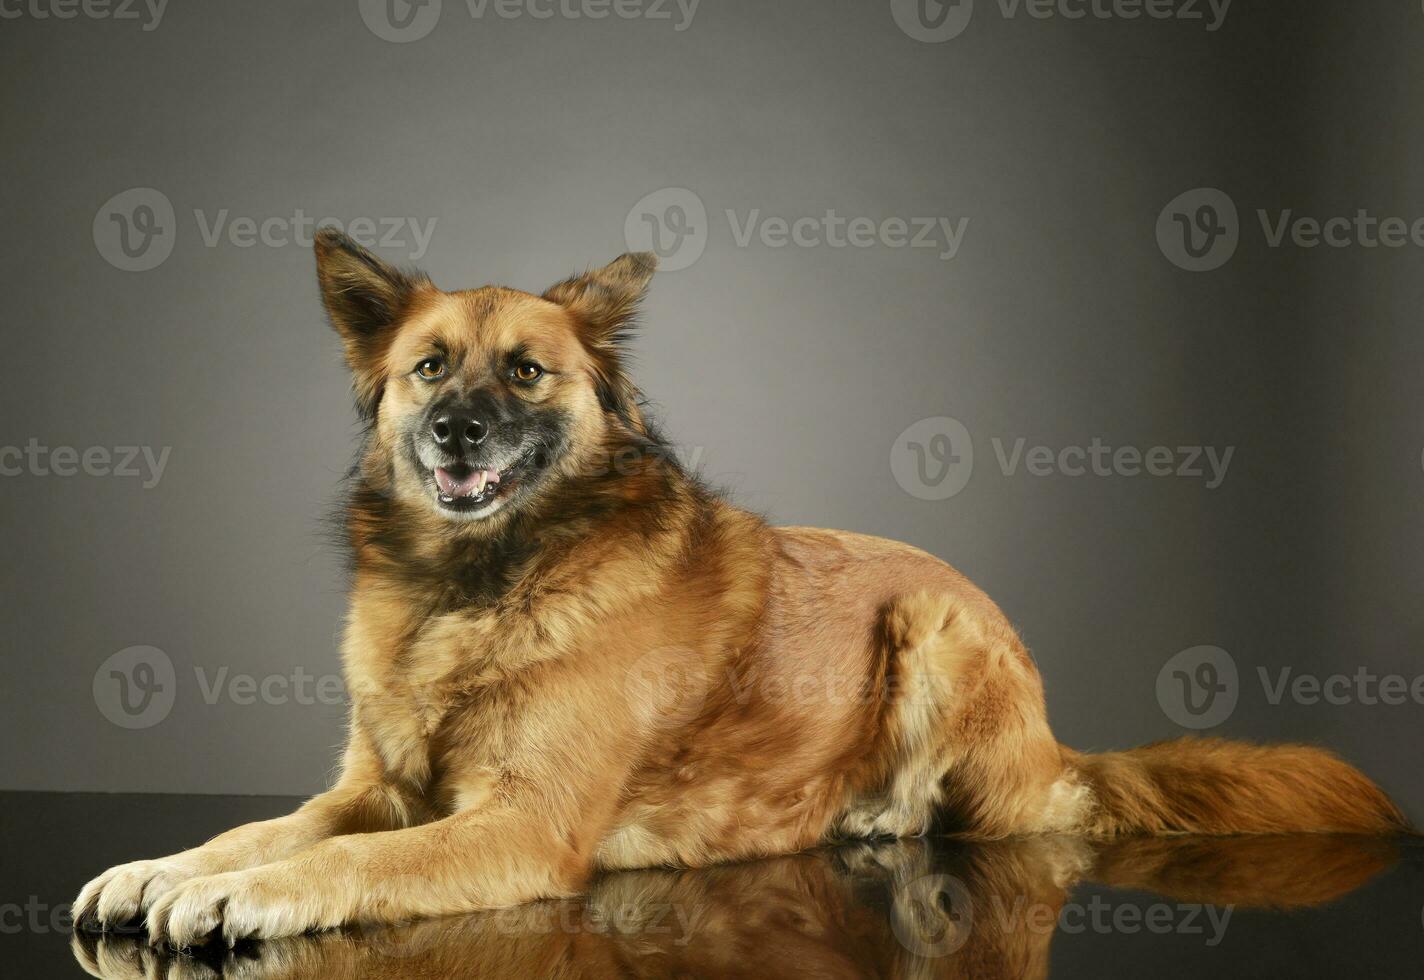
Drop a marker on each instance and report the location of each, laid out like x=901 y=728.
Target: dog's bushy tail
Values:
x=1215 y=786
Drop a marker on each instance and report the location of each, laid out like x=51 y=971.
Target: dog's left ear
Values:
x=605 y=300
x=605 y=304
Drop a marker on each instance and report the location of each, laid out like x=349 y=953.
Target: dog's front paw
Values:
x=120 y=896
x=253 y=904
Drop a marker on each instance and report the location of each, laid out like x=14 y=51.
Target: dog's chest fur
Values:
x=438 y=683
x=411 y=668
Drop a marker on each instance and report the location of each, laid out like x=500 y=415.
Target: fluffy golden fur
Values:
x=566 y=655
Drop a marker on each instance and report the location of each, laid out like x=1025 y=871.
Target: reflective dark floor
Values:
x=1264 y=907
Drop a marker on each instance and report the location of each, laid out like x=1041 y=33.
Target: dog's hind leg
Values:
x=963 y=729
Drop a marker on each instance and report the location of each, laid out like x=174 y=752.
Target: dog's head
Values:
x=482 y=401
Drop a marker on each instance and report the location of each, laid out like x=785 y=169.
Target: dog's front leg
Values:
x=361 y=801
x=473 y=860
x=537 y=786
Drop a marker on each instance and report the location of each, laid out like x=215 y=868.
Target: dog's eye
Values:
x=431 y=369
x=528 y=372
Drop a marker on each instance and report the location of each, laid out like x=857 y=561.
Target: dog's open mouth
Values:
x=462 y=487
x=473 y=491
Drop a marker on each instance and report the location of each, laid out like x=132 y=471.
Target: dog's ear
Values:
x=605 y=300
x=365 y=299
x=604 y=303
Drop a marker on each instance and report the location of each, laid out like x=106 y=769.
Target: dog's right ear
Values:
x=365 y=299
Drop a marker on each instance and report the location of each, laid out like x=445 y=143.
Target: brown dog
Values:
x=566 y=655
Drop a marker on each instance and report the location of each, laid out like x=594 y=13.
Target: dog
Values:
x=566 y=655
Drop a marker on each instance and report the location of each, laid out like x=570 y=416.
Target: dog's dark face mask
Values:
x=477 y=435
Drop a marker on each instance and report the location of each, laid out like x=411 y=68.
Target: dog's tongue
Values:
x=464 y=486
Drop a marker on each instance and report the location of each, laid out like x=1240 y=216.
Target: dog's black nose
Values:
x=458 y=432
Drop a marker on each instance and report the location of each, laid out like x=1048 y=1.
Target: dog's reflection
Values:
x=920 y=908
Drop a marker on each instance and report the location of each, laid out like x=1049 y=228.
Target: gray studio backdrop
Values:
x=943 y=273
